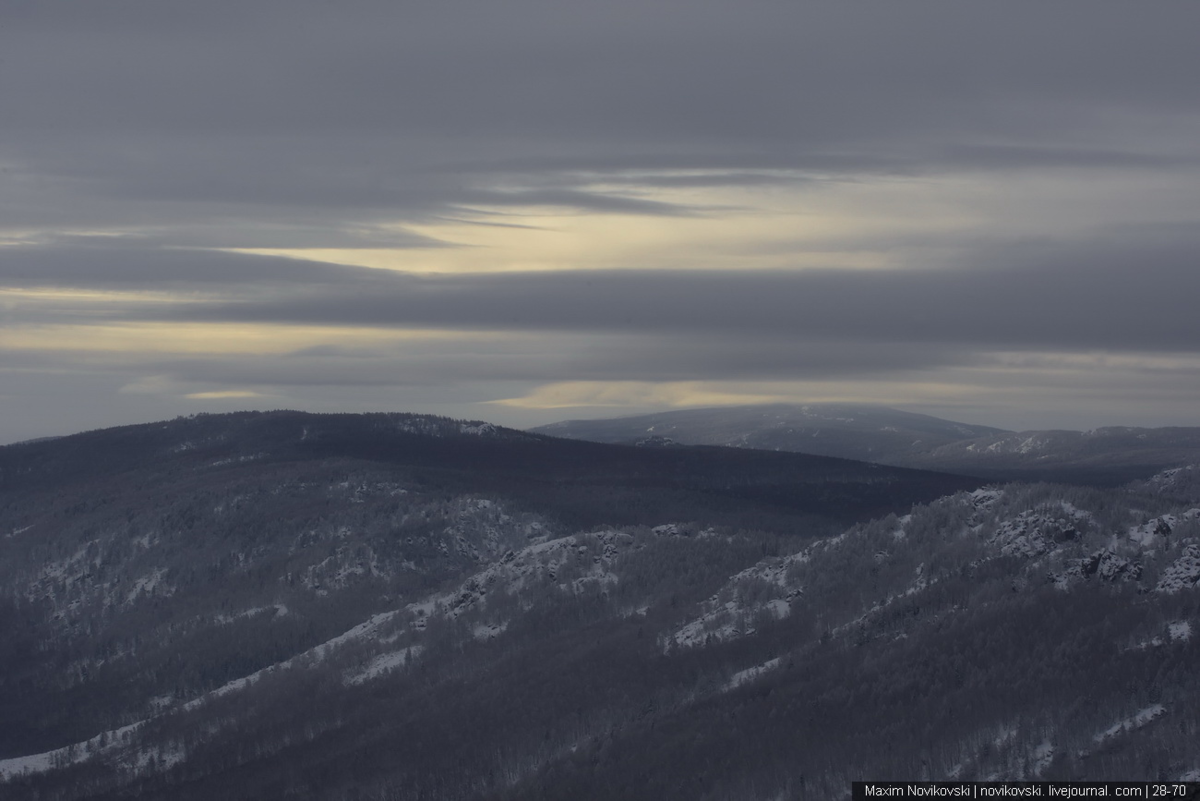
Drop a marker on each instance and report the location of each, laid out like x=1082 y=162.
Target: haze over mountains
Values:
x=1104 y=456
x=270 y=605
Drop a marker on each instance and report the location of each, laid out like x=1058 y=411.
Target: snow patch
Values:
x=106 y=742
x=727 y=614
x=750 y=674
x=1132 y=723
x=237 y=460
x=1183 y=573
x=383 y=664
x=779 y=608
x=1031 y=444
x=1158 y=530
x=986 y=497
x=1043 y=755
x=488 y=631
x=149 y=585
x=1170 y=479
x=1035 y=531
x=277 y=610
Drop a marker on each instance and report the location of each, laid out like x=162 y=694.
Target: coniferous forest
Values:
x=284 y=605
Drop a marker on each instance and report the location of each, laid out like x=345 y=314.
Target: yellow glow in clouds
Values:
x=207 y=338
x=788 y=227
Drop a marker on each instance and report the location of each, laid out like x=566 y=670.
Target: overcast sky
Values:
x=526 y=212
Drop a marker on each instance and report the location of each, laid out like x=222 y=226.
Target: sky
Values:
x=532 y=211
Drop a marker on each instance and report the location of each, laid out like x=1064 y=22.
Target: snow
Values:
x=363 y=630
x=149 y=585
x=68 y=755
x=1043 y=755
x=720 y=624
x=1026 y=535
x=596 y=577
x=1031 y=444
x=315 y=655
x=160 y=758
x=1153 y=642
x=1169 y=479
x=1003 y=735
x=750 y=674
x=75 y=562
x=779 y=608
x=488 y=631
x=724 y=619
x=1180 y=630
x=237 y=459
x=384 y=663
x=1183 y=573
x=114 y=745
x=1035 y=531
x=1136 y=721
x=162 y=701
x=279 y=610
x=1148 y=534
x=985 y=497
x=1074 y=511
x=36 y=763
x=727 y=621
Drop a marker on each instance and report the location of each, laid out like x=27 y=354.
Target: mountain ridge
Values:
x=1103 y=456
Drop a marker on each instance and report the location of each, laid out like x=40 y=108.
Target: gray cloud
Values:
x=692 y=70
x=111 y=263
x=524 y=361
x=374 y=110
x=1129 y=289
x=273 y=124
x=1097 y=295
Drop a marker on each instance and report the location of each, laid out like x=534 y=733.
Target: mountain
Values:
x=580 y=482
x=867 y=433
x=145 y=566
x=1103 y=457
x=282 y=605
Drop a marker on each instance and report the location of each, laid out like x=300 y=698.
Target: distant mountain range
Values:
x=1104 y=456
x=284 y=605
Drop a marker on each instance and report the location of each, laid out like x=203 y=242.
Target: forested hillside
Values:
x=402 y=607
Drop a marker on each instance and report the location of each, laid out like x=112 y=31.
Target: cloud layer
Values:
x=442 y=205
